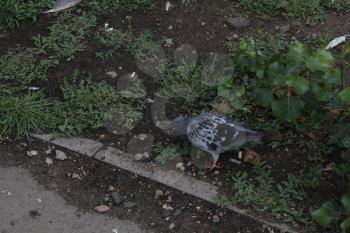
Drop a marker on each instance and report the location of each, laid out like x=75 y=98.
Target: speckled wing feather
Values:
x=212 y=132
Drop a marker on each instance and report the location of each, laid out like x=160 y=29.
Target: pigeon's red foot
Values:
x=214 y=165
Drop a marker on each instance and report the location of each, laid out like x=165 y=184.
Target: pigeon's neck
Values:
x=181 y=129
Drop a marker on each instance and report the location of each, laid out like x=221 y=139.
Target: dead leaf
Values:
x=102 y=208
x=221 y=105
x=330 y=166
x=251 y=156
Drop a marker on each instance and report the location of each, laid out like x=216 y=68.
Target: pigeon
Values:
x=215 y=133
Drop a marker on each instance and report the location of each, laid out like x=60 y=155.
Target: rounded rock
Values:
x=239 y=22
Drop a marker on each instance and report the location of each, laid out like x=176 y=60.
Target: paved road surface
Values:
x=26 y=207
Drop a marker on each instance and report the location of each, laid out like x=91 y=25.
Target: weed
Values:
x=21 y=115
x=15 y=12
x=310 y=11
x=102 y=7
x=142 y=44
x=163 y=154
x=85 y=104
x=25 y=65
x=262 y=195
x=192 y=83
x=265 y=43
x=67 y=35
x=113 y=40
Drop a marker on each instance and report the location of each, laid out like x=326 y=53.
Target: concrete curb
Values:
x=169 y=177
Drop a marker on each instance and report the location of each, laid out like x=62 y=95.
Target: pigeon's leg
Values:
x=215 y=158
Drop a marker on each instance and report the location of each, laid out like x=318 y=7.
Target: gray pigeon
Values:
x=215 y=133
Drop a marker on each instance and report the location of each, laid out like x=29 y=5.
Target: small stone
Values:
x=129 y=204
x=60 y=155
x=158 y=194
x=152 y=224
x=239 y=22
x=112 y=74
x=102 y=136
x=251 y=156
x=168 y=42
x=102 y=208
x=49 y=161
x=215 y=219
x=203 y=23
x=142 y=137
x=171 y=226
x=177 y=212
x=166 y=213
x=180 y=166
x=76 y=176
x=141 y=156
x=115 y=196
x=48 y=151
x=170 y=27
x=217 y=172
x=285 y=28
x=32 y=153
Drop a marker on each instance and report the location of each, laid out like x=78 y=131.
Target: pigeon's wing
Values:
x=201 y=133
x=221 y=133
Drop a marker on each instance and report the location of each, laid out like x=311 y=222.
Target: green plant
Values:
x=192 y=83
x=67 y=35
x=261 y=194
x=85 y=104
x=21 y=115
x=103 y=7
x=299 y=83
x=163 y=154
x=311 y=11
x=142 y=44
x=113 y=40
x=25 y=65
x=15 y=12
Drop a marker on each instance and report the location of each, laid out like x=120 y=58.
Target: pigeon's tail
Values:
x=254 y=136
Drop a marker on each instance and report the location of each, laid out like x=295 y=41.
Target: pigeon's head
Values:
x=181 y=123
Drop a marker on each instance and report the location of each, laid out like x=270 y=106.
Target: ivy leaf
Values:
x=276 y=73
x=332 y=76
x=322 y=93
x=298 y=51
x=344 y=95
x=300 y=84
x=345 y=200
x=342 y=169
x=288 y=108
x=326 y=214
x=321 y=60
x=345 y=224
x=262 y=96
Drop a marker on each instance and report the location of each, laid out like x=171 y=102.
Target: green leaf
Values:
x=288 y=108
x=300 y=84
x=346 y=155
x=344 y=95
x=346 y=141
x=276 y=73
x=345 y=200
x=326 y=214
x=342 y=169
x=345 y=224
x=332 y=76
x=321 y=60
x=298 y=51
x=262 y=96
x=321 y=92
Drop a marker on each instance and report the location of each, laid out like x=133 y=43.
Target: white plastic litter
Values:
x=61 y=5
x=167 y=5
x=337 y=41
